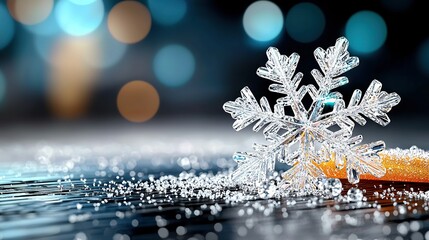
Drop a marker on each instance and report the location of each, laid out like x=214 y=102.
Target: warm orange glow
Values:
x=129 y=21
x=30 y=12
x=398 y=169
x=71 y=79
x=138 y=101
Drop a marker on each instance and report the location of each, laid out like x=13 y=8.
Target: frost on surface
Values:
x=307 y=138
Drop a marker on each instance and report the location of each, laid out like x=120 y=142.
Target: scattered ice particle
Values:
x=403 y=228
x=417 y=236
x=378 y=217
x=120 y=214
x=160 y=222
x=240 y=212
x=427 y=235
x=402 y=209
x=180 y=230
x=184 y=162
x=332 y=187
x=218 y=227
x=135 y=223
x=78 y=206
x=414 y=148
x=249 y=223
x=113 y=223
x=163 y=232
x=354 y=195
x=242 y=231
x=151 y=177
x=119 y=236
x=278 y=229
x=386 y=230
x=414 y=226
x=80 y=236
x=79 y=217
x=352 y=237
x=211 y=236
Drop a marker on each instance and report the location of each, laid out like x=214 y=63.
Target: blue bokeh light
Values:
x=305 y=22
x=47 y=27
x=167 y=12
x=83 y=2
x=366 y=31
x=2 y=87
x=111 y=51
x=174 y=65
x=7 y=27
x=78 y=19
x=44 y=46
x=423 y=57
x=263 y=21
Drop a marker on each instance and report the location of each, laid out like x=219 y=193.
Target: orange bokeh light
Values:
x=30 y=12
x=129 y=21
x=138 y=101
x=71 y=79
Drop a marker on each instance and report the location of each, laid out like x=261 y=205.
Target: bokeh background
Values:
x=74 y=61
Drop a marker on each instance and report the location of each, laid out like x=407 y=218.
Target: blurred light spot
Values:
x=305 y=22
x=111 y=51
x=366 y=31
x=71 y=80
x=82 y=2
x=44 y=46
x=47 y=27
x=30 y=12
x=397 y=5
x=167 y=12
x=7 y=27
x=77 y=19
x=263 y=21
x=129 y=21
x=174 y=65
x=423 y=57
x=138 y=101
x=2 y=87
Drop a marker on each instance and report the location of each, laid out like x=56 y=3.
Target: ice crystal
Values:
x=309 y=137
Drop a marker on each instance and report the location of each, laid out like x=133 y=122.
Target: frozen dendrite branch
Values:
x=307 y=138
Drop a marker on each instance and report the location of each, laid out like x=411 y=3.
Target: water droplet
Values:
x=353 y=176
x=354 y=195
x=239 y=157
x=332 y=187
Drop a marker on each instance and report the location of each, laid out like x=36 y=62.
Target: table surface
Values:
x=58 y=189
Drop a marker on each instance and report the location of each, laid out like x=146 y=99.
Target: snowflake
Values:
x=314 y=135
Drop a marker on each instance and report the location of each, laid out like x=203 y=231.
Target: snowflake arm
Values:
x=253 y=167
x=333 y=62
x=246 y=111
x=359 y=159
x=374 y=105
x=280 y=69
